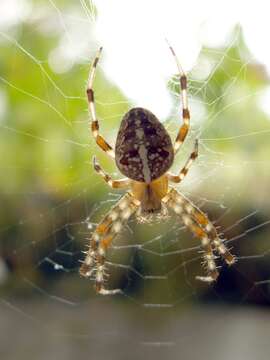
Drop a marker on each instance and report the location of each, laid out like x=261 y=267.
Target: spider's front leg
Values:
x=101 y=142
x=102 y=238
x=183 y=131
x=201 y=227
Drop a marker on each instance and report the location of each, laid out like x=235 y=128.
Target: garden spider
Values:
x=144 y=153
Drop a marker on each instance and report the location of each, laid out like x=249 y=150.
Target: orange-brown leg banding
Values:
x=101 y=142
x=201 y=227
x=115 y=184
x=183 y=131
x=203 y=221
x=183 y=172
x=102 y=238
x=208 y=255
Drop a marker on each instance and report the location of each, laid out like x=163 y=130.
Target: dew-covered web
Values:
x=52 y=200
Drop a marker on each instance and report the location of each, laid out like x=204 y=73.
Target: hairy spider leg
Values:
x=202 y=220
x=102 y=238
x=183 y=172
x=114 y=184
x=101 y=142
x=183 y=131
x=202 y=228
x=208 y=254
x=171 y=200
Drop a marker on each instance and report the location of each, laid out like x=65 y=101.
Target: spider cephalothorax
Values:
x=144 y=153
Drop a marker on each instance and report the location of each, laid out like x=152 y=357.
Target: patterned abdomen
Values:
x=143 y=150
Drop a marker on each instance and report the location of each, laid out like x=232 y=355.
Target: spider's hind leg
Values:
x=203 y=221
x=102 y=238
x=201 y=227
x=208 y=254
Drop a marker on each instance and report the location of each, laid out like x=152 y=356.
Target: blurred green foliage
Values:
x=45 y=135
x=47 y=182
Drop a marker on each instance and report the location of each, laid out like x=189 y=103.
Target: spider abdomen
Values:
x=144 y=150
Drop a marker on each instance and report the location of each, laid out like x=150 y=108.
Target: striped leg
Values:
x=101 y=142
x=115 y=184
x=102 y=238
x=208 y=255
x=202 y=228
x=203 y=221
x=185 y=112
x=184 y=171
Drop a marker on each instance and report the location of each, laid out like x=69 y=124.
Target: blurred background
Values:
x=51 y=199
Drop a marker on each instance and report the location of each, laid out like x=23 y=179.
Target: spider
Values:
x=144 y=153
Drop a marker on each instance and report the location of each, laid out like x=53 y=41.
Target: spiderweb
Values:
x=52 y=200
